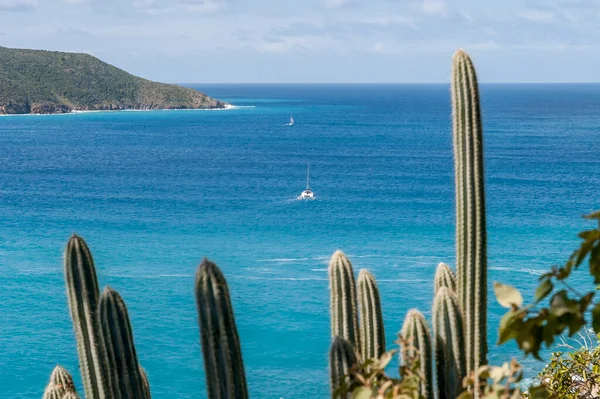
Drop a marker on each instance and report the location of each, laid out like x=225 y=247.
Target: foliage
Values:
x=369 y=380
x=493 y=382
x=52 y=81
x=566 y=307
x=574 y=375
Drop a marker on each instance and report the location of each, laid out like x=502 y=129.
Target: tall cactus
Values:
x=145 y=383
x=418 y=343
x=471 y=255
x=444 y=277
x=372 y=332
x=83 y=295
x=344 y=319
x=225 y=378
x=449 y=344
x=341 y=360
x=120 y=348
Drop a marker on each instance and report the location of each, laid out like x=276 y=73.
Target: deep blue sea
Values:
x=155 y=192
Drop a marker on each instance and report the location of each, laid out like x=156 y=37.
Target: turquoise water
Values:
x=154 y=192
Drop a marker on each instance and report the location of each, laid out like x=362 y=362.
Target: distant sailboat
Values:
x=291 y=121
x=307 y=194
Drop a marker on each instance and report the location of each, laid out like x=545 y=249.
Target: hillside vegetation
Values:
x=41 y=82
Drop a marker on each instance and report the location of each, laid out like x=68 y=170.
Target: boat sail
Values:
x=307 y=194
x=291 y=121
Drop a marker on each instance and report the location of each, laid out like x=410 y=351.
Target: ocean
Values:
x=155 y=192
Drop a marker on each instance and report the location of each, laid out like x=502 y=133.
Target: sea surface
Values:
x=155 y=192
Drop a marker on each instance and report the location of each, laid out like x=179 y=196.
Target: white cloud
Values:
x=336 y=3
x=17 y=5
x=433 y=6
x=537 y=15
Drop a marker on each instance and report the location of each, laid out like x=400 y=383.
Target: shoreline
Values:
x=76 y=112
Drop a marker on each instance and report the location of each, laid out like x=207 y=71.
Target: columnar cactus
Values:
x=225 y=378
x=53 y=392
x=120 y=348
x=444 y=277
x=145 y=383
x=418 y=343
x=83 y=295
x=372 y=333
x=70 y=395
x=449 y=344
x=471 y=255
x=344 y=319
x=341 y=360
x=61 y=379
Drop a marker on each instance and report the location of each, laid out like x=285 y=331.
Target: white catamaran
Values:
x=307 y=194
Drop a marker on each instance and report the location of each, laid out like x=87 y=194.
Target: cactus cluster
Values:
x=366 y=342
x=459 y=339
x=105 y=346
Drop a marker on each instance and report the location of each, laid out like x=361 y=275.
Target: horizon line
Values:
x=379 y=83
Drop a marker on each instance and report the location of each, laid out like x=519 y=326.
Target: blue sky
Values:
x=277 y=41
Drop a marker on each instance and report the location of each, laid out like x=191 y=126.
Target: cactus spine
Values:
x=61 y=379
x=225 y=378
x=120 y=348
x=471 y=256
x=416 y=331
x=444 y=277
x=53 y=392
x=341 y=360
x=372 y=333
x=145 y=383
x=449 y=344
x=83 y=295
x=344 y=319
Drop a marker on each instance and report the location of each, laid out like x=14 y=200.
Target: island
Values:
x=51 y=82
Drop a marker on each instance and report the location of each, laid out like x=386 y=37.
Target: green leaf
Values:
x=593 y=215
x=362 y=393
x=538 y=392
x=507 y=296
x=596 y=318
x=543 y=290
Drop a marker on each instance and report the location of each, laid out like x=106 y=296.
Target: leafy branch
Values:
x=531 y=326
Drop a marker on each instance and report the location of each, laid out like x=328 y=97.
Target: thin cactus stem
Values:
x=444 y=277
x=372 y=332
x=471 y=252
x=145 y=383
x=120 y=348
x=344 y=318
x=341 y=360
x=83 y=295
x=449 y=344
x=415 y=332
x=225 y=378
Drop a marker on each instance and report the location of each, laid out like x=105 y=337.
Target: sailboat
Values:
x=291 y=121
x=307 y=194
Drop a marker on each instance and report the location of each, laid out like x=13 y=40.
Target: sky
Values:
x=317 y=41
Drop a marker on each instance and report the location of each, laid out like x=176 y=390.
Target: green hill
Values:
x=43 y=82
